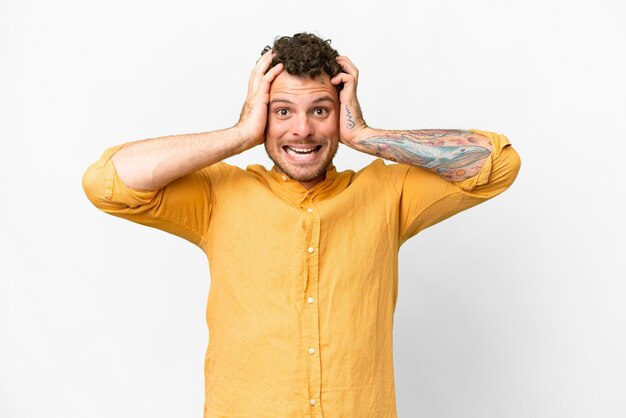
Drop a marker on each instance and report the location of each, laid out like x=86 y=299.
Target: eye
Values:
x=320 y=111
x=282 y=112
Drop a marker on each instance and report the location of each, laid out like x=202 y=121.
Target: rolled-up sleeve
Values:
x=427 y=198
x=182 y=208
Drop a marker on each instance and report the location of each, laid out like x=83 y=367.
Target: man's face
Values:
x=302 y=132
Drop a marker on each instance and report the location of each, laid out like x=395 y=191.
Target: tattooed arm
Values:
x=452 y=153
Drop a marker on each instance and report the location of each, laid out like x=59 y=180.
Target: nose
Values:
x=301 y=126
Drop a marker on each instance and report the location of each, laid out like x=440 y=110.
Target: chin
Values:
x=312 y=168
x=306 y=175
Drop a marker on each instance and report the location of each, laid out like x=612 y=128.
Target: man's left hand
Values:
x=351 y=122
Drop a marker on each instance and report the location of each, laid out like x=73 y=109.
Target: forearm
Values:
x=453 y=154
x=150 y=164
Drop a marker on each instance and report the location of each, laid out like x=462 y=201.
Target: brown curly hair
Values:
x=305 y=55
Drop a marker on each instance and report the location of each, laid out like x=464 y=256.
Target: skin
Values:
x=310 y=115
x=282 y=111
x=152 y=163
x=303 y=115
x=454 y=154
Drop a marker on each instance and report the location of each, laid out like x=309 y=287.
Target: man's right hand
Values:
x=152 y=163
x=253 y=115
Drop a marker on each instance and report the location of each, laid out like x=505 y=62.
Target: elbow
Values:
x=108 y=193
x=511 y=166
x=97 y=184
x=504 y=171
x=94 y=185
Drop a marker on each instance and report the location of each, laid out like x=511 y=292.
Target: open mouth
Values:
x=301 y=150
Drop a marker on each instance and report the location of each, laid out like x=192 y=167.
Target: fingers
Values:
x=273 y=72
x=341 y=78
x=260 y=70
x=345 y=62
x=350 y=73
x=264 y=61
x=347 y=66
x=261 y=78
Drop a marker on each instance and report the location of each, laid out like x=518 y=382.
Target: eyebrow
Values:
x=316 y=101
x=280 y=101
x=324 y=99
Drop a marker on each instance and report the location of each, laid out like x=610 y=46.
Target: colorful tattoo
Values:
x=453 y=154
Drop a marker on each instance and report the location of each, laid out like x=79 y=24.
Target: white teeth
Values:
x=301 y=150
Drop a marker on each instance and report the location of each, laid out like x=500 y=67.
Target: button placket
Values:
x=311 y=337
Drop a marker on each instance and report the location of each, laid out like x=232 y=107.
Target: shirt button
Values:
x=312 y=401
x=311 y=350
x=309 y=210
x=310 y=249
x=284 y=178
x=310 y=300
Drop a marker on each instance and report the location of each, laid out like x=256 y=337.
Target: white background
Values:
x=515 y=308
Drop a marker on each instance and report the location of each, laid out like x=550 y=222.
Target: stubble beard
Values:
x=304 y=177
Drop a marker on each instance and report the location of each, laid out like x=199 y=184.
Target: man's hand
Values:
x=153 y=163
x=253 y=115
x=351 y=122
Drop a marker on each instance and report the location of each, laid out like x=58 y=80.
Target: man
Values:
x=303 y=259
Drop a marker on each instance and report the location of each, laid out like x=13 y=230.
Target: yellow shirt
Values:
x=304 y=283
